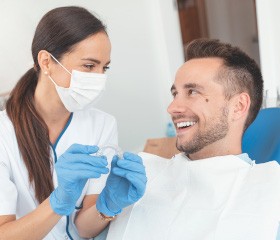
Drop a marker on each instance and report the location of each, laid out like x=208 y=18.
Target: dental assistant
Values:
x=53 y=186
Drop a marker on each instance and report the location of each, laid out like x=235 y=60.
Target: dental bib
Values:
x=220 y=198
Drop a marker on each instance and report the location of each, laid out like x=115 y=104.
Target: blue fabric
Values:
x=262 y=139
x=246 y=158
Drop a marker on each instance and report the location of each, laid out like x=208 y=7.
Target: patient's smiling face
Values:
x=199 y=108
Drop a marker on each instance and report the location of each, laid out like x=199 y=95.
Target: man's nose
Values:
x=176 y=106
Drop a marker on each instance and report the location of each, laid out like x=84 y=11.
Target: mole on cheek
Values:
x=206 y=100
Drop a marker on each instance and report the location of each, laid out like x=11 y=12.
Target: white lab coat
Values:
x=91 y=127
x=220 y=198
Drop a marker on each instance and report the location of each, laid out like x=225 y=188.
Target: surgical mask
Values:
x=85 y=89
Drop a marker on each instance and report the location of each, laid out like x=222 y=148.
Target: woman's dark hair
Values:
x=57 y=32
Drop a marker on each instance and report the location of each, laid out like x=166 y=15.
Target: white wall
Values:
x=233 y=21
x=147 y=50
x=268 y=14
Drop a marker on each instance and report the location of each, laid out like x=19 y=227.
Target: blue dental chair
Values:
x=262 y=139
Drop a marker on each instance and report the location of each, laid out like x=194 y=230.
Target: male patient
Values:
x=210 y=191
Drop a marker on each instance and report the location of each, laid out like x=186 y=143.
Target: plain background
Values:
x=146 y=52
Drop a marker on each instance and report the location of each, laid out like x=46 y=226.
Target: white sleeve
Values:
x=95 y=186
x=8 y=191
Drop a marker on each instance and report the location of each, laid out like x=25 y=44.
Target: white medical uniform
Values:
x=17 y=196
x=219 y=198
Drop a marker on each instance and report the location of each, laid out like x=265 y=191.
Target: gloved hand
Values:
x=125 y=185
x=73 y=169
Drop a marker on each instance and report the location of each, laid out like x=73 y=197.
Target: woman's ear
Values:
x=241 y=104
x=44 y=60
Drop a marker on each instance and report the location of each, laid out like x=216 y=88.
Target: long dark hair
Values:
x=57 y=32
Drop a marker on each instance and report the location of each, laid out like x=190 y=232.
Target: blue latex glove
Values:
x=125 y=185
x=73 y=169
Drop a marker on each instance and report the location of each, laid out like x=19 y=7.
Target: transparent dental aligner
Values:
x=117 y=150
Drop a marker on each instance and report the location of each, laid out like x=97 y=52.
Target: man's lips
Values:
x=182 y=126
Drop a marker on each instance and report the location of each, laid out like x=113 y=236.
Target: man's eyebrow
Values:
x=187 y=86
x=193 y=85
x=94 y=60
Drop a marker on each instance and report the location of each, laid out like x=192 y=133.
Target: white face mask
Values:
x=85 y=88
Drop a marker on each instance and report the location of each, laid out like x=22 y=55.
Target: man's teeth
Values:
x=185 y=124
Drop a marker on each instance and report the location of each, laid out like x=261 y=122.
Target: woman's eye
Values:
x=89 y=66
x=106 y=68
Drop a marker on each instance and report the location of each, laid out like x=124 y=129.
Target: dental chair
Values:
x=262 y=138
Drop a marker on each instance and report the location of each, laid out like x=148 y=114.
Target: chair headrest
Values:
x=262 y=138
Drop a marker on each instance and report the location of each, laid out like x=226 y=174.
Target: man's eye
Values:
x=174 y=94
x=192 y=92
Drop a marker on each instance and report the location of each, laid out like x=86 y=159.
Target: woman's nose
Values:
x=100 y=70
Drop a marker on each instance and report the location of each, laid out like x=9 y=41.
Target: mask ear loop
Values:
x=116 y=148
x=60 y=64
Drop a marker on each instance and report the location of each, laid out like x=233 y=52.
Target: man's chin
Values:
x=187 y=147
x=182 y=147
x=182 y=143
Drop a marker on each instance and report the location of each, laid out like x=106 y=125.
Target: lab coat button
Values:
x=65 y=237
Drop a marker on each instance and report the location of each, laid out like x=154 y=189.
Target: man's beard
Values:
x=215 y=131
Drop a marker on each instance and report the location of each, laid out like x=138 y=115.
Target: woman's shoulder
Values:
x=3 y=114
x=7 y=132
x=5 y=122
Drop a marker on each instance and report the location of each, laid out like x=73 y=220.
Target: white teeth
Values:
x=185 y=124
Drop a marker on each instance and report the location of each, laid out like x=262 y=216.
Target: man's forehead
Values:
x=198 y=70
x=209 y=64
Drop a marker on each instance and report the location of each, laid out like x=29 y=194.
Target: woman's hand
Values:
x=125 y=185
x=73 y=169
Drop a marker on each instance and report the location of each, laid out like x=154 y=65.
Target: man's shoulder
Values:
x=270 y=166
x=268 y=172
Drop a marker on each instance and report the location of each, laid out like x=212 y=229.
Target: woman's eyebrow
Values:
x=94 y=60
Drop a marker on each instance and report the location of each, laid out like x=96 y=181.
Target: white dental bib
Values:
x=220 y=198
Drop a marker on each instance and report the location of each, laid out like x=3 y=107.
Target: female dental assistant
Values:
x=48 y=137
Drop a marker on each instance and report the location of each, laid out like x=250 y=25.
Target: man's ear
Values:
x=44 y=60
x=240 y=105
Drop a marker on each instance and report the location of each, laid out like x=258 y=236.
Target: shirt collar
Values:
x=245 y=157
